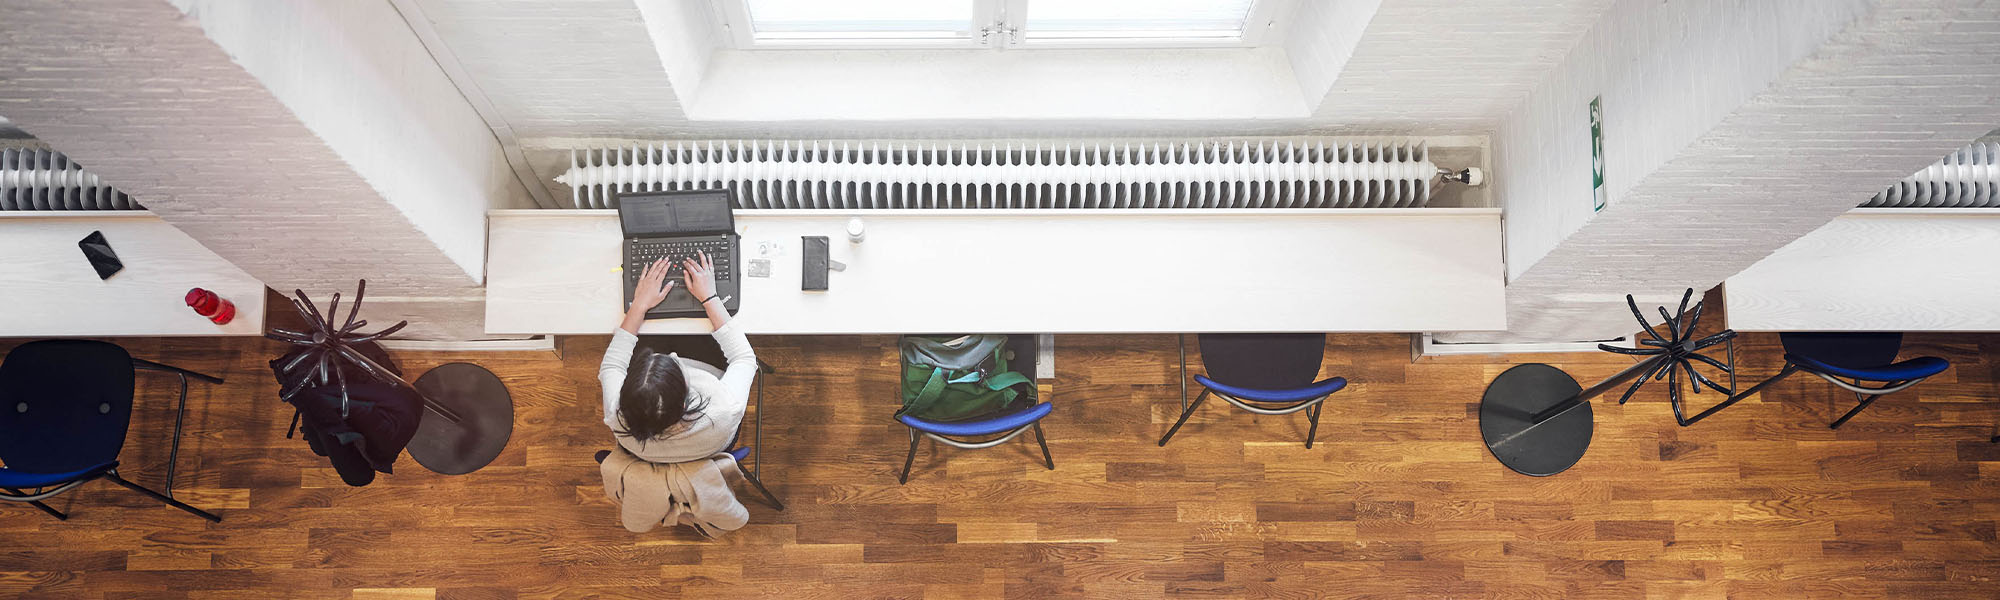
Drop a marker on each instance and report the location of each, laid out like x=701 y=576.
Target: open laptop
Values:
x=674 y=226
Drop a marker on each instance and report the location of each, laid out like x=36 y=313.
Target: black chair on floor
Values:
x=1866 y=358
x=1263 y=373
x=65 y=407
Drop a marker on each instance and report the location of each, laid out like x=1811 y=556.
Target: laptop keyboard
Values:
x=644 y=253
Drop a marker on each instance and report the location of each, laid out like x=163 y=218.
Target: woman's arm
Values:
x=652 y=288
x=700 y=275
x=742 y=368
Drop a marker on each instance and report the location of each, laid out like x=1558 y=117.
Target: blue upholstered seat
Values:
x=741 y=454
x=1317 y=389
x=1915 y=368
x=1004 y=422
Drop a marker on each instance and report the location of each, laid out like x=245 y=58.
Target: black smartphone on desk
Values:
x=812 y=275
x=101 y=257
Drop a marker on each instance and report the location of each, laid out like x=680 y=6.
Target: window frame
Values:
x=1005 y=23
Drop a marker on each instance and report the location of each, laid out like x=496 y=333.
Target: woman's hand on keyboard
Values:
x=699 y=272
x=653 y=286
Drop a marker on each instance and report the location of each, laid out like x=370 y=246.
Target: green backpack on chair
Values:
x=954 y=379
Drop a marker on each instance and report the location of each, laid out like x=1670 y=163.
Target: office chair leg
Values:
x=759 y=484
x=38 y=504
x=156 y=496
x=1184 y=417
x=1314 y=430
x=174 y=450
x=1857 y=410
x=295 y=425
x=1046 y=457
x=909 y=460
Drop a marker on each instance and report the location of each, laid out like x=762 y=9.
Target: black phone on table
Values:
x=101 y=257
x=812 y=275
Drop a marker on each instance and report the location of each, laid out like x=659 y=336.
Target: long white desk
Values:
x=1880 y=269
x=1055 y=271
x=49 y=289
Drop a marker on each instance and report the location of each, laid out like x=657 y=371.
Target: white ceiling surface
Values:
x=564 y=74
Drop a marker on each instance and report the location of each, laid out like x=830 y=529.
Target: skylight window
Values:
x=879 y=21
x=805 y=24
x=1214 y=20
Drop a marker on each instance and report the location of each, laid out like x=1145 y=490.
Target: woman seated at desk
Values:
x=668 y=409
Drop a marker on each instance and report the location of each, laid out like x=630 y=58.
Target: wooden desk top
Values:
x=51 y=291
x=1049 y=271
x=1878 y=269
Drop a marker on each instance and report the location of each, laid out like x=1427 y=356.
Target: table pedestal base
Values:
x=1504 y=420
x=486 y=419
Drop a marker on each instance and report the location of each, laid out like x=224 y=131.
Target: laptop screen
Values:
x=671 y=213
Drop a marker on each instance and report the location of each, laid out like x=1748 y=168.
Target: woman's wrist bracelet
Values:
x=710 y=297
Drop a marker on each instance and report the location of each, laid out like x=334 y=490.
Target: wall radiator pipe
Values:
x=1282 y=173
x=46 y=180
x=1969 y=177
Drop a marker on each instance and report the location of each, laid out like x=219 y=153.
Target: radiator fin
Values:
x=45 y=180
x=1969 y=177
x=846 y=175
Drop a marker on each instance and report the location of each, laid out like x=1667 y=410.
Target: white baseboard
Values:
x=1429 y=347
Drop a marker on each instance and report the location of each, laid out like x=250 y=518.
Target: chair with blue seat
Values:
x=65 y=407
x=1869 y=359
x=1024 y=414
x=1266 y=374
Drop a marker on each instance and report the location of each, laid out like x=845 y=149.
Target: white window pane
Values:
x=1137 y=18
x=830 y=19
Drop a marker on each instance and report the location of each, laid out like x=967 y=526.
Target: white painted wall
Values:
x=1667 y=72
x=1854 y=96
x=685 y=37
x=1322 y=37
x=1452 y=66
x=574 y=67
x=356 y=76
x=879 y=85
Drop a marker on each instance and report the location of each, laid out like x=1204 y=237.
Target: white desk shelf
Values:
x=1069 y=271
x=1878 y=269
x=49 y=289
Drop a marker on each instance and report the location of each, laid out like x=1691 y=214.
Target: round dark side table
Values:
x=486 y=419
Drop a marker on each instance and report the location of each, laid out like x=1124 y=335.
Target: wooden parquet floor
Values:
x=1399 y=499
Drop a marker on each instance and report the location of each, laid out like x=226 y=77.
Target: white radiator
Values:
x=45 y=180
x=1969 y=177
x=1267 y=173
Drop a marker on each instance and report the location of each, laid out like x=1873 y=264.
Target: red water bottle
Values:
x=207 y=304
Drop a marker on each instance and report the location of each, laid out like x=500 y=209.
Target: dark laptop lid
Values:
x=650 y=214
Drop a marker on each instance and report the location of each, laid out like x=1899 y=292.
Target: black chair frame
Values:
x=1280 y=408
x=35 y=498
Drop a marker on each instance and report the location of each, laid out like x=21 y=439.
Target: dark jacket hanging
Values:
x=381 y=419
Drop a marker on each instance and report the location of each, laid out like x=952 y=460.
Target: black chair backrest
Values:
x=1852 y=350
x=64 y=405
x=1265 y=361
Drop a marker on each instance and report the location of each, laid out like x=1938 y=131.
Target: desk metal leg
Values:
x=1180 y=342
